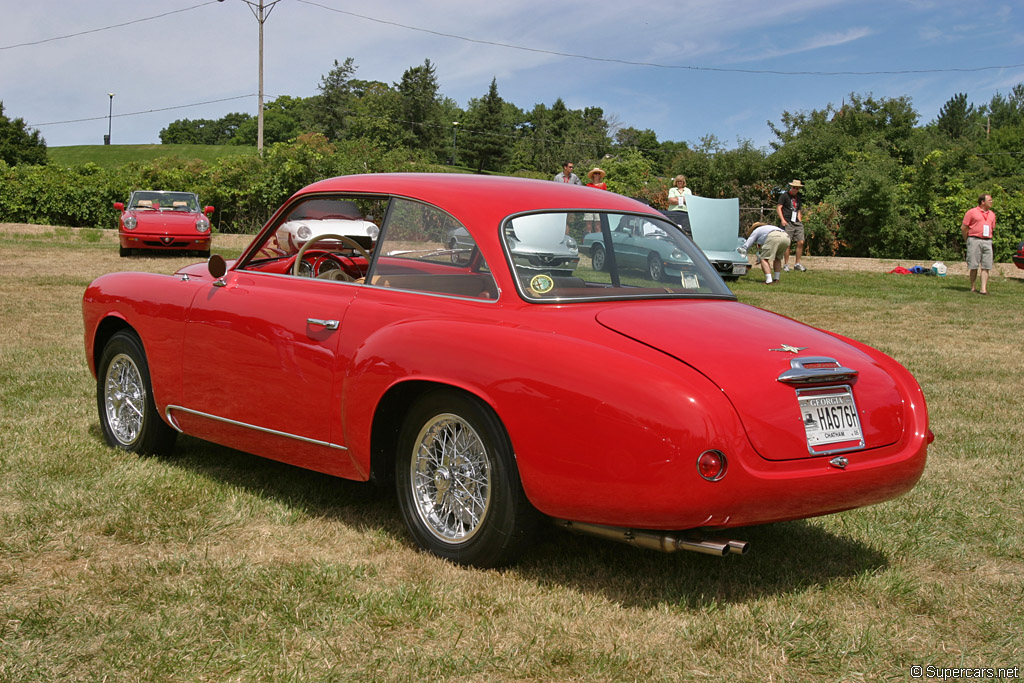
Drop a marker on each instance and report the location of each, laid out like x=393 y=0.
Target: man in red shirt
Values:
x=978 y=225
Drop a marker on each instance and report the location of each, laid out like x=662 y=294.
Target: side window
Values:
x=330 y=237
x=425 y=249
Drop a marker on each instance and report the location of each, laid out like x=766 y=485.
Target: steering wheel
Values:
x=347 y=241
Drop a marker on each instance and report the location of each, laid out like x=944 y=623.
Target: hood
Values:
x=744 y=350
x=166 y=222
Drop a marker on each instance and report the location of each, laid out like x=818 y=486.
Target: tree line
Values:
x=879 y=182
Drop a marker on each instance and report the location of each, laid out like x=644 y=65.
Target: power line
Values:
x=654 y=64
x=147 y=111
x=107 y=28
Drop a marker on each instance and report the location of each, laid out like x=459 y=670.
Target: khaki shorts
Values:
x=795 y=231
x=979 y=253
x=775 y=245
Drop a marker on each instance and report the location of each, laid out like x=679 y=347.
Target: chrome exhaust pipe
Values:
x=738 y=547
x=661 y=541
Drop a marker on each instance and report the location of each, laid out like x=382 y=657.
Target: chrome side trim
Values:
x=315 y=442
x=799 y=373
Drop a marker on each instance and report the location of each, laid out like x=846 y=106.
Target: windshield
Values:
x=558 y=256
x=164 y=201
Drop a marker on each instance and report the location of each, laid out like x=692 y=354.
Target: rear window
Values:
x=571 y=255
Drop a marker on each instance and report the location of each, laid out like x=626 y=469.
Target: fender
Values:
x=579 y=452
x=155 y=306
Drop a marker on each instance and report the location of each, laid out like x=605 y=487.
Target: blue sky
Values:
x=684 y=69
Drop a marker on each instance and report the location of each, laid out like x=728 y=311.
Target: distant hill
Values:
x=109 y=156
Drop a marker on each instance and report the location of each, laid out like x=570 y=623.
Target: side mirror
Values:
x=217 y=266
x=208 y=210
x=119 y=206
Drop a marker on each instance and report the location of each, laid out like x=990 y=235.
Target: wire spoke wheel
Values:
x=124 y=399
x=457 y=482
x=450 y=475
x=124 y=396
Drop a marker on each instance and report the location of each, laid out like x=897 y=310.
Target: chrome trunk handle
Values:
x=816 y=369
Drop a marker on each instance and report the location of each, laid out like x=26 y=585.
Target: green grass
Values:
x=214 y=565
x=110 y=156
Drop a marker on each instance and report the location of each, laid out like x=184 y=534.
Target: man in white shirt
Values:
x=772 y=243
x=567 y=176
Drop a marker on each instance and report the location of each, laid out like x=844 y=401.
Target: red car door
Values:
x=261 y=371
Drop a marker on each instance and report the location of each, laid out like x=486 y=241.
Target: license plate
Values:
x=739 y=269
x=830 y=417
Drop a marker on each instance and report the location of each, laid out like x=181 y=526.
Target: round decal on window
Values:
x=541 y=284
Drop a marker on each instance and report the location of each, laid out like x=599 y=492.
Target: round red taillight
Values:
x=711 y=465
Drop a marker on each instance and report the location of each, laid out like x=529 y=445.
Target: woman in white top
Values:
x=677 y=194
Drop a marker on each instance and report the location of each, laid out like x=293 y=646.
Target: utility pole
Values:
x=110 y=117
x=455 y=137
x=261 y=11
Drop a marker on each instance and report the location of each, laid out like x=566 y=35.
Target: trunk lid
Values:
x=745 y=350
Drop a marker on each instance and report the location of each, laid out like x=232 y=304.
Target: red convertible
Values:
x=170 y=221
x=494 y=394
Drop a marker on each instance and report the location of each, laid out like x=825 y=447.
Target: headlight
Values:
x=129 y=223
x=203 y=224
x=304 y=233
x=373 y=231
x=677 y=255
x=571 y=243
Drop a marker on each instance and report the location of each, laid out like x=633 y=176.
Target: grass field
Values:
x=213 y=565
x=109 y=156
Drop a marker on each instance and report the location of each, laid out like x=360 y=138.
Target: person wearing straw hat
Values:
x=789 y=211
x=596 y=178
x=772 y=243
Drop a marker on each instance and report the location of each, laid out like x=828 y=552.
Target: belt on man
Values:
x=980 y=238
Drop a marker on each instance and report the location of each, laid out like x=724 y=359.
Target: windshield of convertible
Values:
x=147 y=200
x=558 y=256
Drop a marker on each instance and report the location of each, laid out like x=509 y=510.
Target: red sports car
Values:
x=494 y=394
x=170 y=221
x=1018 y=256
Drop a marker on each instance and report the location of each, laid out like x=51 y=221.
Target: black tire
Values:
x=124 y=252
x=655 y=268
x=457 y=258
x=458 y=485
x=597 y=258
x=124 y=397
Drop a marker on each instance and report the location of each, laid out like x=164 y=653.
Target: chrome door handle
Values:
x=329 y=324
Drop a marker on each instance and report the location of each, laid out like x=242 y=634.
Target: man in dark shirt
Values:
x=789 y=210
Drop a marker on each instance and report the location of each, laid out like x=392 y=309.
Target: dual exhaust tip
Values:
x=666 y=542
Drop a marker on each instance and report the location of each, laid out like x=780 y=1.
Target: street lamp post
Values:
x=455 y=137
x=110 y=117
